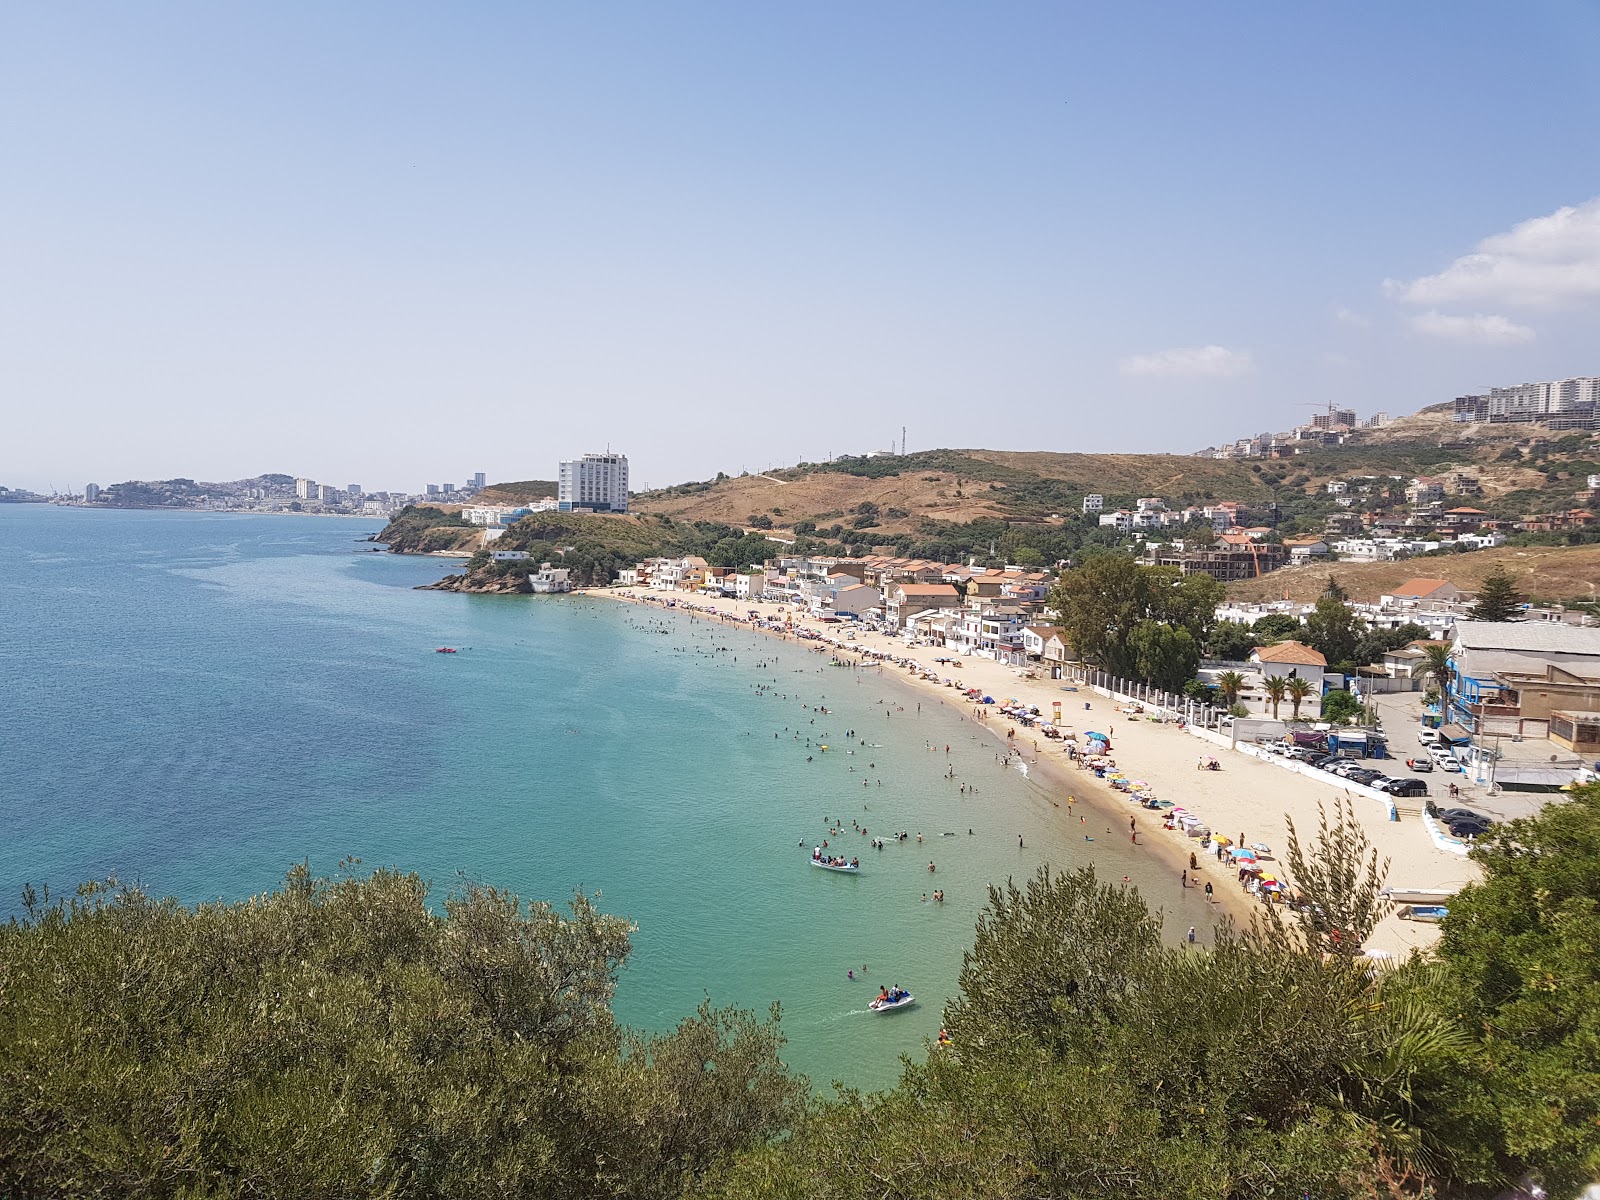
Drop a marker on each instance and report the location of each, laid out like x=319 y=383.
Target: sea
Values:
x=196 y=702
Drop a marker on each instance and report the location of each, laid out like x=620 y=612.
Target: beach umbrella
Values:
x=1261 y=847
x=1221 y=839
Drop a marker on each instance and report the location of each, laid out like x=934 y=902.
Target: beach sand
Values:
x=1249 y=798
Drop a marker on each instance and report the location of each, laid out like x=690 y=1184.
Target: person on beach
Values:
x=1191 y=935
x=1209 y=899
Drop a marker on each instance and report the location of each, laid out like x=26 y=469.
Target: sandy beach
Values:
x=1248 y=799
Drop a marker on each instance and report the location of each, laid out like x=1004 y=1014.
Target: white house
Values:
x=1304 y=550
x=1291 y=659
x=856 y=599
x=550 y=579
x=1121 y=520
x=1094 y=502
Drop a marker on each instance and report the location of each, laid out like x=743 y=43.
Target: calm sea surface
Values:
x=199 y=701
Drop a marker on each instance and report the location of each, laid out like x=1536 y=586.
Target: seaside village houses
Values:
x=1521 y=706
x=969 y=609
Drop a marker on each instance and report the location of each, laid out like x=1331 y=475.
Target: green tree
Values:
x=1025 y=556
x=1091 y=1059
x=1521 y=959
x=339 y=1038
x=1165 y=655
x=1277 y=687
x=1435 y=665
x=1231 y=641
x=1230 y=684
x=1335 y=590
x=1341 y=881
x=1333 y=629
x=1276 y=627
x=1339 y=706
x=1298 y=688
x=1100 y=604
x=1498 y=598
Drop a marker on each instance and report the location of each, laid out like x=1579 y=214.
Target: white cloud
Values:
x=1341 y=362
x=1189 y=362
x=1348 y=317
x=1547 y=262
x=1484 y=329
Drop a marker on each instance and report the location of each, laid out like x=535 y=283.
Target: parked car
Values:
x=1363 y=775
x=1406 y=787
x=1458 y=814
x=1321 y=761
x=1429 y=738
x=1466 y=829
x=1420 y=764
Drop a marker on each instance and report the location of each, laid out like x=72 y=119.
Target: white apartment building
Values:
x=597 y=481
x=484 y=514
x=1093 y=502
x=1533 y=401
x=305 y=489
x=1121 y=520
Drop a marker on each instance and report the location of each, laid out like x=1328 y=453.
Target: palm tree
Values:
x=1230 y=684
x=1277 y=688
x=1436 y=666
x=1299 y=689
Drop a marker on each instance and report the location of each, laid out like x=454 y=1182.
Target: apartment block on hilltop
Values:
x=598 y=482
x=1560 y=404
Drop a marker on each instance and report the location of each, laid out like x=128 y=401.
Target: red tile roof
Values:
x=1293 y=653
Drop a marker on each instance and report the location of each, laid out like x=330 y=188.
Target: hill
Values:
x=524 y=492
x=961 y=499
x=952 y=486
x=1553 y=574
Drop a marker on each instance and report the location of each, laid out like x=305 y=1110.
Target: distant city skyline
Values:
x=327 y=240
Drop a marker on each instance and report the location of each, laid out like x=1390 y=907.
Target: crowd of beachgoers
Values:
x=1211 y=817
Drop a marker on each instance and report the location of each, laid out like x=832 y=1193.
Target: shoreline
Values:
x=1051 y=776
x=1248 y=794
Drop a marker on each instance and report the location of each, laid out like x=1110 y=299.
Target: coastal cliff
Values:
x=423 y=529
x=485 y=581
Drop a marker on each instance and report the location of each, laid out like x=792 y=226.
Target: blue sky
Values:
x=398 y=243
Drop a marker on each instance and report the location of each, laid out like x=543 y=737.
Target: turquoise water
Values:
x=197 y=701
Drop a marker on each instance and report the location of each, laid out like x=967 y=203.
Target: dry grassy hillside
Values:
x=523 y=492
x=1551 y=573
x=927 y=494
x=1168 y=475
x=958 y=485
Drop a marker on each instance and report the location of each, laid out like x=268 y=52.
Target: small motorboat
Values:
x=444 y=650
x=894 y=1003
x=836 y=866
x=1431 y=913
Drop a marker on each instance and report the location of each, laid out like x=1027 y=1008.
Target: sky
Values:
x=398 y=243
